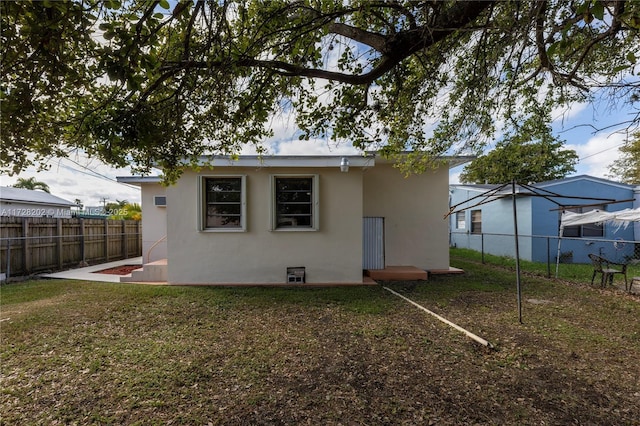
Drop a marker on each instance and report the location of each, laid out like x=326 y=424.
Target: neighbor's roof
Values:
x=545 y=184
x=10 y=194
x=584 y=178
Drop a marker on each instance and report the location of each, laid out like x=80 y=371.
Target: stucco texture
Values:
x=331 y=254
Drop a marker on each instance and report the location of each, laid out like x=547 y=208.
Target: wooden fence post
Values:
x=83 y=245
x=125 y=252
x=106 y=240
x=26 y=255
x=8 y=259
x=59 y=242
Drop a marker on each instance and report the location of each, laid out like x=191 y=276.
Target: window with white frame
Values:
x=295 y=202
x=224 y=202
x=461 y=221
x=476 y=221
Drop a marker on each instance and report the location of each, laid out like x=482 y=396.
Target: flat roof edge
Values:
x=137 y=180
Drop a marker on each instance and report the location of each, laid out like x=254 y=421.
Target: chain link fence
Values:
x=553 y=251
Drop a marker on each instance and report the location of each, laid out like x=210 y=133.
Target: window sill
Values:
x=295 y=230
x=221 y=230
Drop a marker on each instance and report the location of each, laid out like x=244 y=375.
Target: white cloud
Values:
x=91 y=184
x=597 y=154
x=561 y=115
x=454 y=175
x=314 y=147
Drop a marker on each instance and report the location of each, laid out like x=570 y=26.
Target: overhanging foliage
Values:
x=147 y=83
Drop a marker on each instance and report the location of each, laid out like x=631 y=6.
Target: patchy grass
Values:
x=93 y=353
x=574 y=272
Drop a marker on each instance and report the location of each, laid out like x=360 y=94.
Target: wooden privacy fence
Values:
x=35 y=244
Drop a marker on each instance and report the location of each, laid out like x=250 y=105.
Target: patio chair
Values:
x=607 y=269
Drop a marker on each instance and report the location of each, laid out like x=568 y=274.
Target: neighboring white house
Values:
x=28 y=203
x=252 y=219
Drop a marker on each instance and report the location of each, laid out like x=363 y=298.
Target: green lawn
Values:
x=574 y=272
x=98 y=353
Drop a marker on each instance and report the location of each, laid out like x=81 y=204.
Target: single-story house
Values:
x=283 y=219
x=489 y=227
x=29 y=203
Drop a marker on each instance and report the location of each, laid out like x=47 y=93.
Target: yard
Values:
x=92 y=353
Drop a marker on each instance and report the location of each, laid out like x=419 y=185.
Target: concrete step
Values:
x=450 y=271
x=150 y=272
x=397 y=273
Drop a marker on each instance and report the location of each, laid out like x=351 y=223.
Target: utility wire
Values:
x=604 y=150
x=92 y=173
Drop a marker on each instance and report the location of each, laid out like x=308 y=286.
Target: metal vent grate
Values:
x=296 y=274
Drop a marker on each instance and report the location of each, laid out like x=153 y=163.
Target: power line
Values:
x=604 y=150
x=93 y=173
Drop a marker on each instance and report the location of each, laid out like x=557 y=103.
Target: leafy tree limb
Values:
x=148 y=84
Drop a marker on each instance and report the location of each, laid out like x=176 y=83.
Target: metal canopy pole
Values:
x=515 y=231
x=495 y=194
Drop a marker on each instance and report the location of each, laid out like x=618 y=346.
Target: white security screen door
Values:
x=373 y=243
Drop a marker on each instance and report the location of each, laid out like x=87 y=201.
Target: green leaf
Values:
x=582 y=8
x=598 y=10
x=631 y=57
x=113 y=4
x=164 y=4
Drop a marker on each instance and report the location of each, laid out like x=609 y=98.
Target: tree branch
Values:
x=540 y=9
x=393 y=48
x=376 y=41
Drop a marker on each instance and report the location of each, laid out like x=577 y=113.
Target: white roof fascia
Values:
x=287 y=161
x=138 y=180
x=458 y=160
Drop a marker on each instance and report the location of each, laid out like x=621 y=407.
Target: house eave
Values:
x=37 y=203
x=138 y=180
x=311 y=161
x=367 y=160
x=451 y=160
x=458 y=160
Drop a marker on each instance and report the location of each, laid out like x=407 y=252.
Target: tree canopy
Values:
x=517 y=157
x=123 y=209
x=32 y=184
x=627 y=168
x=151 y=84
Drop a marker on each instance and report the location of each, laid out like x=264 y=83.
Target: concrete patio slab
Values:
x=89 y=273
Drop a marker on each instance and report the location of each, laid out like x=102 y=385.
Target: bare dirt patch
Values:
x=119 y=270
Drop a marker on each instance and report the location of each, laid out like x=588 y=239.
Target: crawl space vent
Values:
x=295 y=274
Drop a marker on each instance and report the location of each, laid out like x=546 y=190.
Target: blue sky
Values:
x=593 y=131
